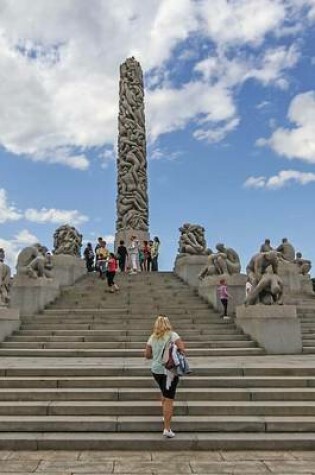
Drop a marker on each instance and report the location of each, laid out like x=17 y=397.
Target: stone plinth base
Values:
x=208 y=290
x=67 y=269
x=188 y=267
x=9 y=321
x=276 y=328
x=294 y=282
x=31 y=296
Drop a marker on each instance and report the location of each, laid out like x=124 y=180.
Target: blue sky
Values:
x=230 y=112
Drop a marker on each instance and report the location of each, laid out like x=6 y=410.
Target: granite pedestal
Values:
x=188 y=267
x=68 y=269
x=31 y=296
x=276 y=328
x=9 y=321
x=208 y=290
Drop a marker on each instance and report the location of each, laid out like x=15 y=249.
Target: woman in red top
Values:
x=111 y=272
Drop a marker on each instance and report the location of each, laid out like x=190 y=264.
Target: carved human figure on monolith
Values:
x=132 y=198
x=34 y=262
x=267 y=286
x=286 y=250
x=303 y=265
x=5 y=280
x=192 y=240
x=225 y=261
x=67 y=240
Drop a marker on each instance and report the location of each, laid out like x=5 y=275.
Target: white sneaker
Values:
x=168 y=433
x=132 y=272
x=226 y=317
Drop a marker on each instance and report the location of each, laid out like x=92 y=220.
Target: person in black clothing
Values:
x=89 y=257
x=122 y=256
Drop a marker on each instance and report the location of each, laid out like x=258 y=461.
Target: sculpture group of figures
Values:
x=262 y=270
x=5 y=280
x=132 y=200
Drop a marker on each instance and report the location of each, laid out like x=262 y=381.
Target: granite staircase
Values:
x=74 y=377
x=306 y=312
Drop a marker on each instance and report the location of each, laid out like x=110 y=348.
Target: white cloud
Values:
x=268 y=67
x=107 y=156
x=241 y=21
x=255 y=182
x=59 y=66
x=284 y=177
x=161 y=154
x=168 y=108
x=52 y=215
x=216 y=134
x=8 y=211
x=297 y=142
x=25 y=237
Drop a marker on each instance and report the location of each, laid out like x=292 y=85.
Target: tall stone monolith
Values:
x=132 y=196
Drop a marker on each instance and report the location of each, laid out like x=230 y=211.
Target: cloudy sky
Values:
x=230 y=111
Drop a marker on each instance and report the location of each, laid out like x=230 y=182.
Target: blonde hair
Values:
x=161 y=326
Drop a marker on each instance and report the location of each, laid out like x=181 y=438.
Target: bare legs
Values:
x=167 y=407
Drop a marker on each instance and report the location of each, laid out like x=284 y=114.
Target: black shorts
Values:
x=161 y=380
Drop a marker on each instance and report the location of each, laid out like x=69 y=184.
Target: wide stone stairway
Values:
x=306 y=313
x=74 y=377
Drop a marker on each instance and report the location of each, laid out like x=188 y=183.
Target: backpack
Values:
x=174 y=360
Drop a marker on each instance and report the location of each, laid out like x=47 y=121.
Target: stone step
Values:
x=221 y=330
x=310 y=350
x=55 y=352
x=150 y=394
x=154 y=424
x=133 y=345
x=187 y=320
x=275 y=383
x=133 y=441
x=127 y=326
x=136 y=312
x=121 y=338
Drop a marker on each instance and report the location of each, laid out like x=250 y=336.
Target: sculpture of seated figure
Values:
x=286 y=250
x=303 y=265
x=225 y=261
x=34 y=261
x=266 y=246
x=267 y=286
x=192 y=240
x=5 y=280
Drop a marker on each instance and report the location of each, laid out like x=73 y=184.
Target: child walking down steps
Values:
x=111 y=272
x=224 y=297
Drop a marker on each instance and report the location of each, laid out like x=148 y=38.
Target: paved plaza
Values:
x=155 y=463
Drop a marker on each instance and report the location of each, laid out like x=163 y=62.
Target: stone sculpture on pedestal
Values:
x=67 y=240
x=5 y=280
x=225 y=261
x=34 y=261
x=267 y=286
x=132 y=198
x=286 y=250
x=192 y=240
x=303 y=265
